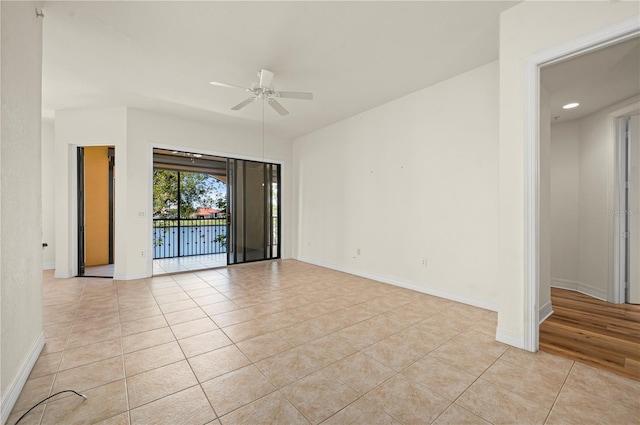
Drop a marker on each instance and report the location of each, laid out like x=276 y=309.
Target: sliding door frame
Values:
x=237 y=215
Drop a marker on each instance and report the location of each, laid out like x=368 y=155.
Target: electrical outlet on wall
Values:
x=424 y=262
x=142 y=253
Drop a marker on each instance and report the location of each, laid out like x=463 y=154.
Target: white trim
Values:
x=583 y=288
x=608 y=35
x=150 y=217
x=48 y=266
x=617 y=290
x=15 y=388
x=487 y=305
x=215 y=153
x=531 y=205
x=631 y=109
x=571 y=285
x=616 y=293
x=545 y=311
x=603 y=36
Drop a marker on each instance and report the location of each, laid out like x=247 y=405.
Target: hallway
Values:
x=594 y=332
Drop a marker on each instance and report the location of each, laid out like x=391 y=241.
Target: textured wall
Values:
x=20 y=188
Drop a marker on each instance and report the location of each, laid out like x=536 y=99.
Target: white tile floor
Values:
x=284 y=342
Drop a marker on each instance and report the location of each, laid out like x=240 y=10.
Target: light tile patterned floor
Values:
x=285 y=342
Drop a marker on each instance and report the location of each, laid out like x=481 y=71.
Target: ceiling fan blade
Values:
x=278 y=107
x=295 y=95
x=243 y=104
x=231 y=86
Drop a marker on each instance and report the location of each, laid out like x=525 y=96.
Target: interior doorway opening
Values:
x=96 y=206
x=211 y=211
x=586 y=209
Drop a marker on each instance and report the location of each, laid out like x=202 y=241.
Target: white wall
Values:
x=544 y=290
x=73 y=128
x=134 y=133
x=147 y=130
x=48 y=195
x=565 y=206
x=597 y=147
x=588 y=146
x=525 y=30
x=413 y=179
x=21 y=337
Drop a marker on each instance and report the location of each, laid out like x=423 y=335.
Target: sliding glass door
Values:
x=254 y=211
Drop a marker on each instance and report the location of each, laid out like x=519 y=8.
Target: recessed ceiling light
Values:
x=571 y=105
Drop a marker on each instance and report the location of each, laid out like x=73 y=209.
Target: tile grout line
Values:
x=66 y=344
x=555 y=400
x=310 y=320
x=186 y=359
x=124 y=366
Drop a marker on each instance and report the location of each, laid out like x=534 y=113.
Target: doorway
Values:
x=588 y=177
x=211 y=211
x=588 y=231
x=96 y=206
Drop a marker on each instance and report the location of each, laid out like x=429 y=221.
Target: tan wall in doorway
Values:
x=96 y=205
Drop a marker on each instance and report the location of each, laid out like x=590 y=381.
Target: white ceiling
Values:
x=595 y=79
x=352 y=55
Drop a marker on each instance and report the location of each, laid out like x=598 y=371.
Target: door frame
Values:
x=80 y=212
x=617 y=291
x=597 y=39
x=111 y=153
x=284 y=183
x=233 y=217
x=80 y=206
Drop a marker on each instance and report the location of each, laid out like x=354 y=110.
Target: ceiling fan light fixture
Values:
x=265 y=91
x=266 y=78
x=571 y=105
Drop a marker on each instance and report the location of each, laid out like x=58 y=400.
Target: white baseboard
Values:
x=48 y=266
x=509 y=338
x=545 y=311
x=571 y=285
x=15 y=388
x=487 y=305
x=581 y=287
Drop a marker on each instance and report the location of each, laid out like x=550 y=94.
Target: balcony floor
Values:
x=192 y=263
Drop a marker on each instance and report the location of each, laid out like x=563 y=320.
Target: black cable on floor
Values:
x=42 y=401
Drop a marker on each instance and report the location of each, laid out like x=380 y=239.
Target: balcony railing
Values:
x=188 y=236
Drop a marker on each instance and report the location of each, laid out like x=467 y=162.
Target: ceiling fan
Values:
x=265 y=90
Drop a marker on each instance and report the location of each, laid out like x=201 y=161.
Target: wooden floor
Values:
x=594 y=332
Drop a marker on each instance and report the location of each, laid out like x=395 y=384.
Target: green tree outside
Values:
x=196 y=190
